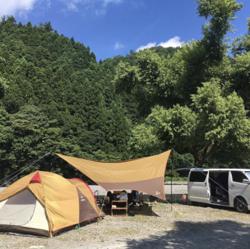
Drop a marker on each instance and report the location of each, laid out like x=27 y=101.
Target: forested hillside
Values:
x=55 y=97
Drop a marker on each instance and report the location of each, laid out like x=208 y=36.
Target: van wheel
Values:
x=240 y=205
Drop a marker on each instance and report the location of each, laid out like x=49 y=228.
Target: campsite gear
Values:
x=120 y=206
x=144 y=174
x=46 y=203
x=122 y=195
x=136 y=198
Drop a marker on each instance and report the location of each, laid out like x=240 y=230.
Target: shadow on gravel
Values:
x=145 y=210
x=223 y=234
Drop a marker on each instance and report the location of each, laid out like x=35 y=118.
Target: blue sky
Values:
x=115 y=27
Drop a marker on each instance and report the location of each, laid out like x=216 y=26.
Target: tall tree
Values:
x=220 y=13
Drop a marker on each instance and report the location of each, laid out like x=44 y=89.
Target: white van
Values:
x=223 y=187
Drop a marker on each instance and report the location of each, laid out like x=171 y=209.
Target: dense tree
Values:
x=220 y=12
x=241 y=77
x=144 y=141
x=55 y=97
x=175 y=126
x=241 y=67
x=141 y=80
x=222 y=120
x=214 y=122
x=76 y=110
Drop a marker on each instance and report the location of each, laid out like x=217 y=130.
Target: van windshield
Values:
x=247 y=174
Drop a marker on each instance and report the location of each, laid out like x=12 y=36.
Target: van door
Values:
x=218 y=185
x=237 y=187
x=198 y=190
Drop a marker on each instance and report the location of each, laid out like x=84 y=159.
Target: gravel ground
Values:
x=183 y=227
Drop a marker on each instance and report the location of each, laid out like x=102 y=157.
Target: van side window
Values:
x=197 y=176
x=238 y=176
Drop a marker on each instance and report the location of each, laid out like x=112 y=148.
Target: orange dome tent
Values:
x=46 y=203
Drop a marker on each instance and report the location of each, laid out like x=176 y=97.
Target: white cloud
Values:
x=118 y=46
x=173 y=42
x=149 y=45
x=13 y=7
x=99 y=6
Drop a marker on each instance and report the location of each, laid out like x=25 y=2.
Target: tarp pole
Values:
x=171 y=186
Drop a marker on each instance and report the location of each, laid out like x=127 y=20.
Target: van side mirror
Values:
x=246 y=181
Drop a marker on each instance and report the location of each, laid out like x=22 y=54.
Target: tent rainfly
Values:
x=45 y=203
x=144 y=174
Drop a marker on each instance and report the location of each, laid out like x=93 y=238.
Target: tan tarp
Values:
x=144 y=174
x=58 y=196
